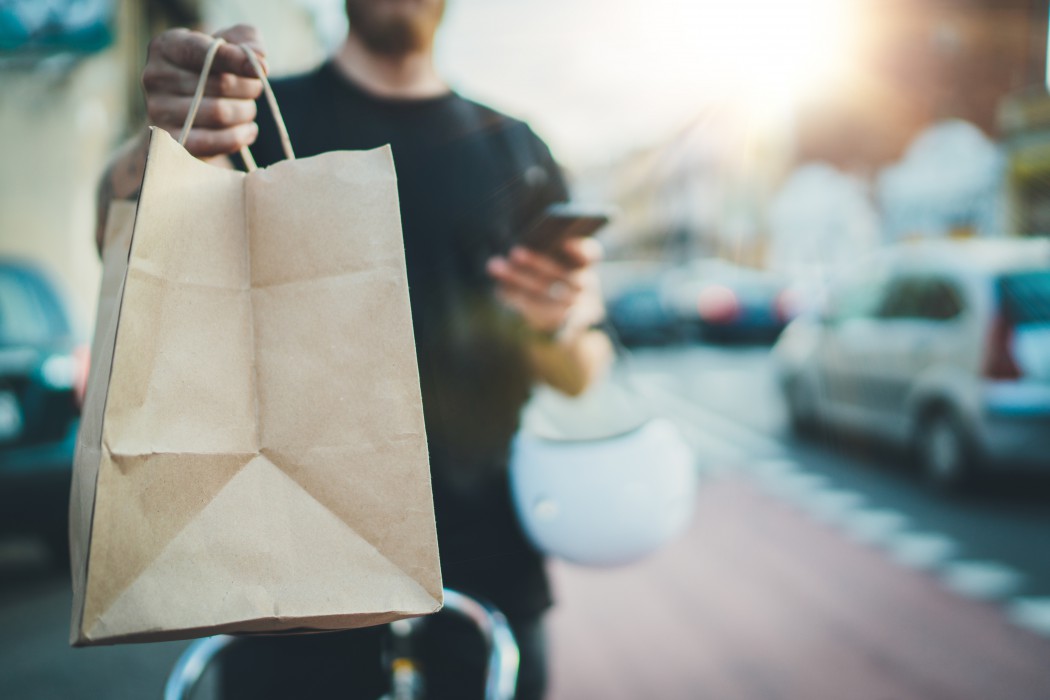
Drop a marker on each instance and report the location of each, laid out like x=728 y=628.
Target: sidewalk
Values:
x=758 y=602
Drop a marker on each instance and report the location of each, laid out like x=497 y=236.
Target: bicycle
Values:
x=501 y=672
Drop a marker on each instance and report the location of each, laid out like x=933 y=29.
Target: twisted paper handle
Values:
x=198 y=95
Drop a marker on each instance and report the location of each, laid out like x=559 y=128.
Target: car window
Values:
x=1026 y=296
x=940 y=300
x=24 y=318
x=925 y=298
x=902 y=299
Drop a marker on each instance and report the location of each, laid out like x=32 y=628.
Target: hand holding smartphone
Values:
x=561 y=222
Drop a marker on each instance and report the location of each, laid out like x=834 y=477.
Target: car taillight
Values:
x=999 y=360
x=786 y=304
x=717 y=304
x=67 y=372
x=83 y=358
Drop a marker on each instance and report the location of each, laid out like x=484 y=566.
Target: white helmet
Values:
x=607 y=501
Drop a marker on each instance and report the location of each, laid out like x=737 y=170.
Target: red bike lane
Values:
x=760 y=602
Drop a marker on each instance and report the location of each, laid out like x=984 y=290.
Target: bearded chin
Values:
x=392 y=39
x=393 y=34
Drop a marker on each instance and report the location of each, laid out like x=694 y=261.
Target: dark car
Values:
x=722 y=301
x=640 y=317
x=42 y=375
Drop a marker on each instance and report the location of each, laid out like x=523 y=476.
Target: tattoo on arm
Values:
x=105 y=195
x=130 y=171
x=133 y=171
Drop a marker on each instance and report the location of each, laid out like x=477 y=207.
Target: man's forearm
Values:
x=121 y=179
x=572 y=366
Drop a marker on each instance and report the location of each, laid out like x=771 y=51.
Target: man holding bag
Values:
x=490 y=317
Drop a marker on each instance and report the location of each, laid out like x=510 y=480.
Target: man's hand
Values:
x=553 y=294
x=559 y=295
x=226 y=120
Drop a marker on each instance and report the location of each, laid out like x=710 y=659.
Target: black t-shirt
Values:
x=469 y=179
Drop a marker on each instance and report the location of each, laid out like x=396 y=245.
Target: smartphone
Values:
x=560 y=222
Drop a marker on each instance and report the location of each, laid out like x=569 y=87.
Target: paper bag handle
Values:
x=209 y=58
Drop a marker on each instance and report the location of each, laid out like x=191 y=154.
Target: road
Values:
x=813 y=571
x=727 y=400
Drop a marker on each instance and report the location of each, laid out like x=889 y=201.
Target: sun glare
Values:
x=603 y=75
x=772 y=53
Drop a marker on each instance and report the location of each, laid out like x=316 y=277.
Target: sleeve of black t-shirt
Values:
x=555 y=188
x=538 y=182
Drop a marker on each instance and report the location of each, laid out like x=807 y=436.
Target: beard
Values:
x=395 y=27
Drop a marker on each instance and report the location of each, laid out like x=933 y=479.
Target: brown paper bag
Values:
x=252 y=456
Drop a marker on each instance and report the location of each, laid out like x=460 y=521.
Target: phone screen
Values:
x=560 y=222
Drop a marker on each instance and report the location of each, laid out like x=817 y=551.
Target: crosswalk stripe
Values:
x=1031 y=613
x=984 y=580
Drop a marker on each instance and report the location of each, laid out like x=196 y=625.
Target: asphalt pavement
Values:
x=813 y=571
x=727 y=401
x=36 y=661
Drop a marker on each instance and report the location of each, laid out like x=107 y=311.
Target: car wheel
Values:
x=802 y=408
x=945 y=453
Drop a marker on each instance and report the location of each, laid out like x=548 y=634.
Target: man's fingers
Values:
x=546 y=301
x=214 y=113
x=546 y=270
x=225 y=122
x=167 y=79
x=514 y=274
x=542 y=264
x=527 y=302
x=245 y=34
x=204 y=143
x=186 y=49
x=581 y=252
x=576 y=253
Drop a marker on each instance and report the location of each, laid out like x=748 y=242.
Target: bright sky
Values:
x=599 y=77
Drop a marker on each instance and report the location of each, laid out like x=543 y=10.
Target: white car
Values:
x=940 y=347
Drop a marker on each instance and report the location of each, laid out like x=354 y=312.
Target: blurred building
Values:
x=948 y=183
x=820 y=219
x=939 y=117
x=922 y=62
x=912 y=134
x=1025 y=124
x=69 y=76
x=63 y=107
x=705 y=191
